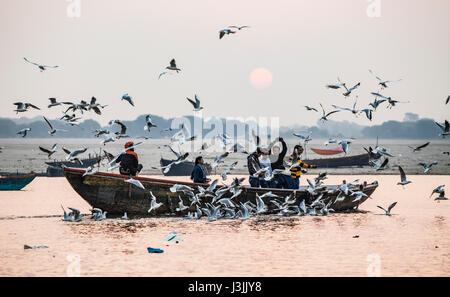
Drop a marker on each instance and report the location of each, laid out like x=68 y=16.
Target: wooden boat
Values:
x=182 y=169
x=110 y=192
x=347 y=161
x=15 y=183
x=327 y=152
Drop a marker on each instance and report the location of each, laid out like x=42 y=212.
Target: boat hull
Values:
x=349 y=161
x=111 y=193
x=15 y=183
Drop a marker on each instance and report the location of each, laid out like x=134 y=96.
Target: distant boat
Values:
x=347 y=161
x=333 y=151
x=15 y=183
x=182 y=169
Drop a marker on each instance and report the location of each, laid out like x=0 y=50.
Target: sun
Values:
x=261 y=78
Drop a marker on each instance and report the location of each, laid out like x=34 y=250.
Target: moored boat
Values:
x=347 y=161
x=15 y=182
x=111 y=193
x=181 y=169
x=327 y=152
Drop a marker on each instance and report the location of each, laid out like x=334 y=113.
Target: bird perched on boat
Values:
x=383 y=83
x=71 y=155
x=53 y=102
x=173 y=66
x=41 y=67
x=49 y=152
x=24 y=132
x=326 y=115
x=437 y=190
x=128 y=98
x=445 y=128
x=427 y=166
x=388 y=211
x=195 y=103
x=418 y=148
x=149 y=124
x=224 y=32
x=403 y=180
x=22 y=107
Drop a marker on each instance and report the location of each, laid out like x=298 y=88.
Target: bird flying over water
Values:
x=383 y=83
x=24 y=132
x=418 y=148
x=149 y=124
x=49 y=152
x=128 y=98
x=445 y=128
x=326 y=115
x=22 y=107
x=403 y=180
x=53 y=102
x=427 y=166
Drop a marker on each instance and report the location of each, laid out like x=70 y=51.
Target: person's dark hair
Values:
x=259 y=150
x=197 y=161
x=294 y=153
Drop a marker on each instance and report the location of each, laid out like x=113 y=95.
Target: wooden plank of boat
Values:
x=15 y=183
x=110 y=192
x=347 y=161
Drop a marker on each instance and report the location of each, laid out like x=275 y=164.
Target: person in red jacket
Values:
x=129 y=161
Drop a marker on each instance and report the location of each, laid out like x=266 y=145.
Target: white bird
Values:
x=261 y=207
x=53 y=102
x=239 y=27
x=107 y=139
x=383 y=83
x=376 y=103
x=326 y=115
x=379 y=166
x=195 y=103
x=125 y=217
x=418 y=148
x=403 y=180
x=162 y=73
x=344 y=144
x=71 y=155
x=225 y=32
x=352 y=110
x=181 y=206
x=22 y=107
x=228 y=170
x=153 y=204
x=349 y=91
x=308 y=108
x=128 y=98
x=49 y=152
x=90 y=171
x=135 y=182
x=180 y=188
x=41 y=67
x=381 y=151
x=219 y=159
x=149 y=124
x=388 y=211
x=427 y=166
x=52 y=130
x=437 y=190
x=368 y=112
x=330 y=141
x=391 y=101
x=445 y=128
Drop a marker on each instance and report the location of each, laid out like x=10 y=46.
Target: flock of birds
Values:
x=225 y=207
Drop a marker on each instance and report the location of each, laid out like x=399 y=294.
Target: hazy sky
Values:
x=118 y=47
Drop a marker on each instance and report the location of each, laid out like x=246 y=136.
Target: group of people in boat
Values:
x=271 y=158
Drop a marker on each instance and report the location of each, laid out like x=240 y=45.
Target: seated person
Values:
x=129 y=164
x=297 y=171
x=277 y=158
x=253 y=166
x=198 y=174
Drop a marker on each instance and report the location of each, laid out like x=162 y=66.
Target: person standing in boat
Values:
x=281 y=181
x=253 y=166
x=129 y=161
x=198 y=174
x=297 y=171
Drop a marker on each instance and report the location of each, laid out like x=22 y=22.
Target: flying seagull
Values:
x=391 y=101
x=49 y=152
x=22 y=107
x=437 y=190
x=381 y=166
x=239 y=27
x=368 y=112
x=388 y=211
x=173 y=66
x=149 y=124
x=445 y=128
x=24 y=132
x=383 y=83
x=308 y=108
x=403 y=180
x=71 y=155
x=128 y=98
x=41 y=67
x=326 y=115
x=225 y=32
x=52 y=130
x=418 y=148
x=53 y=102
x=427 y=166
x=195 y=103
x=448 y=99
x=349 y=91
